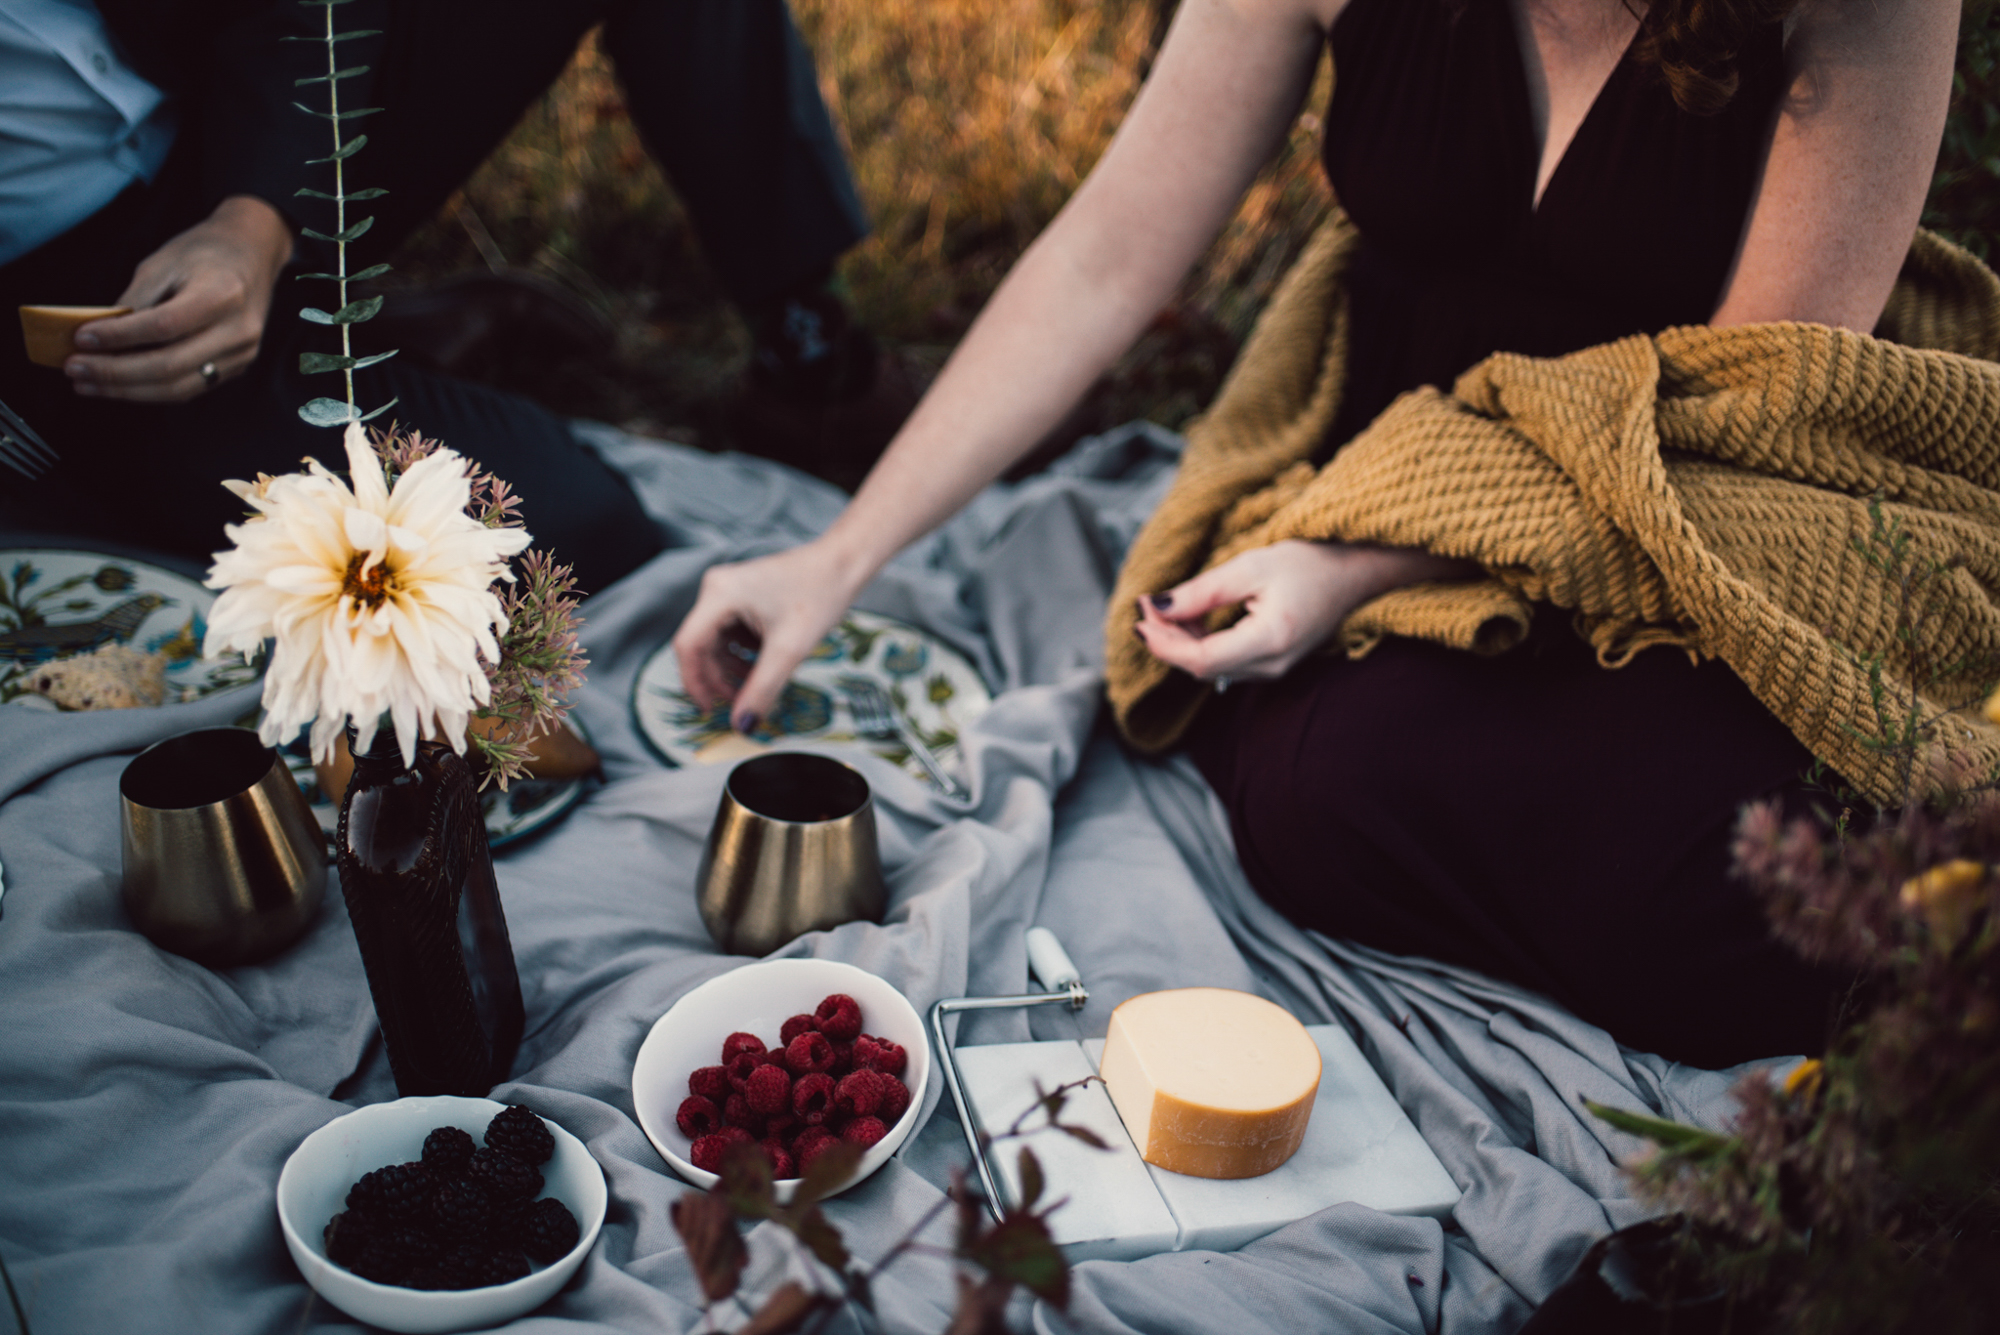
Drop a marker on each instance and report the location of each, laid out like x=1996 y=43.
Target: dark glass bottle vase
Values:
x=418 y=878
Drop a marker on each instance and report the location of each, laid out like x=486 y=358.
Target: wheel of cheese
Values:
x=1210 y=1082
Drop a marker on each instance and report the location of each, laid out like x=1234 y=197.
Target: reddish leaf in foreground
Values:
x=785 y=1310
x=982 y=1307
x=715 y=1249
x=1020 y=1249
x=830 y=1170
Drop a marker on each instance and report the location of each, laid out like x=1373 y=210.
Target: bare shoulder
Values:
x=1293 y=13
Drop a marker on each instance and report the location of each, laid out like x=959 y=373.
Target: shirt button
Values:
x=99 y=63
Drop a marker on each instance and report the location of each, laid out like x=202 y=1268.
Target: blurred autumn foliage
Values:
x=970 y=122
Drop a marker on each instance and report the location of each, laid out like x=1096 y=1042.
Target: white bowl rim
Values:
x=897 y=1135
x=440 y=1298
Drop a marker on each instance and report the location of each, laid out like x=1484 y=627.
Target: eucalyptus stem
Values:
x=339 y=201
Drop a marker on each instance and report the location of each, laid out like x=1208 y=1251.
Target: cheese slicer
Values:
x=1052 y=967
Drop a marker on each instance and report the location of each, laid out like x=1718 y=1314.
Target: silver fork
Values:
x=875 y=715
x=20 y=448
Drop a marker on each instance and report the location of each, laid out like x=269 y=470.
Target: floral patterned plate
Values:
x=929 y=683
x=527 y=807
x=57 y=604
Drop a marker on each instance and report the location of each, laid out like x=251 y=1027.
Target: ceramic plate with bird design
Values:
x=928 y=682
x=57 y=605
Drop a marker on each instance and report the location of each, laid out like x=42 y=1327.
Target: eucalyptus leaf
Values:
x=371 y=192
x=349 y=235
x=370 y=416
x=354 y=312
x=356 y=114
x=315 y=363
x=344 y=152
x=328 y=412
x=350 y=72
x=372 y=271
x=361 y=363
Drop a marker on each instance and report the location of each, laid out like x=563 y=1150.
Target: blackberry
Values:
x=447 y=1150
x=517 y=1131
x=503 y=1229
x=548 y=1231
x=461 y=1210
x=504 y=1176
x=462 y=1265
x=348 y=1234
x=395 y=1193
x=500 y=1267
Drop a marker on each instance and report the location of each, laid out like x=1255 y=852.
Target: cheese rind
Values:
x=1210 y=1082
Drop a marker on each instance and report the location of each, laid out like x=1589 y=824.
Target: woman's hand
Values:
x=780 y=606
x=199 y=301
x=1294 y=594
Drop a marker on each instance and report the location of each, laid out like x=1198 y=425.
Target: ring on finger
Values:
x=1221 y=684
x=209 y=375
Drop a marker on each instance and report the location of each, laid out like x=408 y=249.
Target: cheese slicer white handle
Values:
x=1049 y=962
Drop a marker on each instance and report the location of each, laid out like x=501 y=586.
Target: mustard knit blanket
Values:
x=1702 y=488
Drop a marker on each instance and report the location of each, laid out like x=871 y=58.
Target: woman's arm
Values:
x=1229 y=79
x=1852 y=152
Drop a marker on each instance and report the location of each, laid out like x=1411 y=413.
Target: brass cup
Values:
x=224 y=862
x=792 y=850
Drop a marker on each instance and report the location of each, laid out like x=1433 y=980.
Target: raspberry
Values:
x=736 y=1112
x=461 y=1209
x=447 y=1150
x=504 y=1176
x=395 y=1193
x=863 y=1131
x=549 y=1231
x=782 y=1123
x=843 y=1060
x=706 y=1153
x=839 y=1018
x=697 y=1117
x=792 y=1028
x=739 y=1068
x=809 y=1054
x=808 y=1140
x=782 y=1163
x=739 y=1043
x=517 y=1131
x=886 y=1057
x=768 y=1090
x=711 y=1083
x=858 y=1094
x=895 y=1100
x=812 y=1098
x=809 y=1150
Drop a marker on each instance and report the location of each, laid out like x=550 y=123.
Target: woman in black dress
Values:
x=1532 y=176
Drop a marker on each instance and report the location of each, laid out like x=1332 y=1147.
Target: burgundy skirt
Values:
x=1536 y=817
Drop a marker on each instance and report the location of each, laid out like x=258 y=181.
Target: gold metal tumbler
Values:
x=793 y=850
x=224 y=862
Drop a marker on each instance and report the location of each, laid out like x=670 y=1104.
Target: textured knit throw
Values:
x=1702 y=488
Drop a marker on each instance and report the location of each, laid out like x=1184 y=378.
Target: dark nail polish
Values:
x=1162 y=601
x=746 y=723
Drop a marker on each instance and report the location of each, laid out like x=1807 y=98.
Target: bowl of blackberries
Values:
x=791 y=1056
x=440 y=1213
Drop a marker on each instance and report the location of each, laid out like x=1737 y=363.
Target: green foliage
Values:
x=1964 y=201
x=330 y=412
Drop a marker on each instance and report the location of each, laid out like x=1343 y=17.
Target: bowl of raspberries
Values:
x=793 y=1055
x=440 y=1213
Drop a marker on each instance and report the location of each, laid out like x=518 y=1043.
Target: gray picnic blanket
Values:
x=147 y=1103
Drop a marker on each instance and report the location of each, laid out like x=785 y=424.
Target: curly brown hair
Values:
x=1694 y=45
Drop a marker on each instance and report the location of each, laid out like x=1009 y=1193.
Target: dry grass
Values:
x=969 y=121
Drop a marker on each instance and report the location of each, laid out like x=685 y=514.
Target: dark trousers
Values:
x=1537 y=817
x=452 y=79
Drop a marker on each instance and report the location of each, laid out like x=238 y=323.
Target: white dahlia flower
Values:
x=379 y=601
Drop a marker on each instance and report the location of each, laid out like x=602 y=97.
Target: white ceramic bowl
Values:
x=757 y=999
x=314 y=1185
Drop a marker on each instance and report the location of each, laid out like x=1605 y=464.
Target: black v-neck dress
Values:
x=1532 y=815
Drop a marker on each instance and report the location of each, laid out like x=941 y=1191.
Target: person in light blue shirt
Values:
x=77 y=124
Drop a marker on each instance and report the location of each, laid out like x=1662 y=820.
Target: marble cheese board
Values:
x=1359 y=1146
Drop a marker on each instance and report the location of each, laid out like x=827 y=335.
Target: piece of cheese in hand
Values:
x=1210 y=1082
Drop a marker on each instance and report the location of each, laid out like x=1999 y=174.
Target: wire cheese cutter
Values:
x=1055 y=971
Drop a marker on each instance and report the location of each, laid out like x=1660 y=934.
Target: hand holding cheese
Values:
x=1210 y=1082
